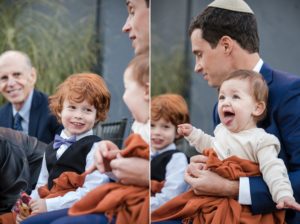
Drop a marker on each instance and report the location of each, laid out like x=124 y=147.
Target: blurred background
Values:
x=173 y=63
x=63 y=37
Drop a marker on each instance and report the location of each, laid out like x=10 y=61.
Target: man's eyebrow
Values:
x=127 y=2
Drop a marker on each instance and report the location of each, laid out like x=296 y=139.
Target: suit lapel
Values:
x=35 y=114
x=8 y=121
x=267 y=73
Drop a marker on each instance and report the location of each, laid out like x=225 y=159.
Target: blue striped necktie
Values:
x=17 y=122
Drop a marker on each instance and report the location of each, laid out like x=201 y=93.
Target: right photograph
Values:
x=225 y=112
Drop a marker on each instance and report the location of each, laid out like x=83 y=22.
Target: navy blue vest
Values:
x=159 y=164
x=73 y=159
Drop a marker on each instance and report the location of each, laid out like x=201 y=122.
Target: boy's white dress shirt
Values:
x=92 y=180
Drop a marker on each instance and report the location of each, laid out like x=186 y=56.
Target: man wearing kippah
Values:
x=224 y=38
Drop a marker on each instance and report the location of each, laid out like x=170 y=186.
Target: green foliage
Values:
x=59 y=41
x=169 y=74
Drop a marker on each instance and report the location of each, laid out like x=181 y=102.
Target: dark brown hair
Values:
x=216 y=23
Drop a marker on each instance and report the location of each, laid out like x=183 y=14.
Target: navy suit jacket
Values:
x=283 y=120
x=42 y=124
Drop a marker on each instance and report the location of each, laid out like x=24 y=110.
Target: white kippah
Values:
x=233 y=5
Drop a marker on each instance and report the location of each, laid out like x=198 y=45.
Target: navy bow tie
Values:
x=58 y=141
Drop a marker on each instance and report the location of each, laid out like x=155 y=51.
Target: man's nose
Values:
x=11 y=81
x=198 y=68
x=126 y=26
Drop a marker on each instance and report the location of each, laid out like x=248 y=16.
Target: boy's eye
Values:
x=88 y=110
x=152 y=125
x=235 y=97
x=166 y=126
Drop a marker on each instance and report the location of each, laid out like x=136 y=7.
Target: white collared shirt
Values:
x=92 y=180
x=174 y=178
x=244 y=190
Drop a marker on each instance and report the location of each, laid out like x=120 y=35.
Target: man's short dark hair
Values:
x=216 y=23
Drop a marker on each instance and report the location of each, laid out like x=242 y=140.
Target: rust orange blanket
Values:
x=8 y=218
x=216 y=210
x=67 y=181
x=128 y=203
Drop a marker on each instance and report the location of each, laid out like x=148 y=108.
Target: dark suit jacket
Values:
x=20 y=163
x=283 y=120
x=42 y=124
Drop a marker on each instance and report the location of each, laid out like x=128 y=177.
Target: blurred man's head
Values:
x=17 y=77
x=137 y=25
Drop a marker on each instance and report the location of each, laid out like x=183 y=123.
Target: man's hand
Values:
x=20 y=218
x=131 y=170
x=208 y=183
x=38 y=206
x=197 y=162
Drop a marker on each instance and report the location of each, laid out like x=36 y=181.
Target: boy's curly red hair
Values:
x=171 y=107
x=80 y=87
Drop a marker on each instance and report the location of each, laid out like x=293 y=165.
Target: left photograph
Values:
x=74 y=111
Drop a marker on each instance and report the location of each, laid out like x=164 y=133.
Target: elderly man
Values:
x=26 y=109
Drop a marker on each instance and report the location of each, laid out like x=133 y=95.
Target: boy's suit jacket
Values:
x=42 y=124
x=283 y=120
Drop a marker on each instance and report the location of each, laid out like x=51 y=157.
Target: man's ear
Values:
x=33 y=76
x=147 y=92
x=226 y=43
x=259 y=109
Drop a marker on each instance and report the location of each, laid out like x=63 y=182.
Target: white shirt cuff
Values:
x=244 y=191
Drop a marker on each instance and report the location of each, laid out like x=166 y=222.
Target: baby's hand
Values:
x=105 y=152
x=184 y=129
x=288 y=202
